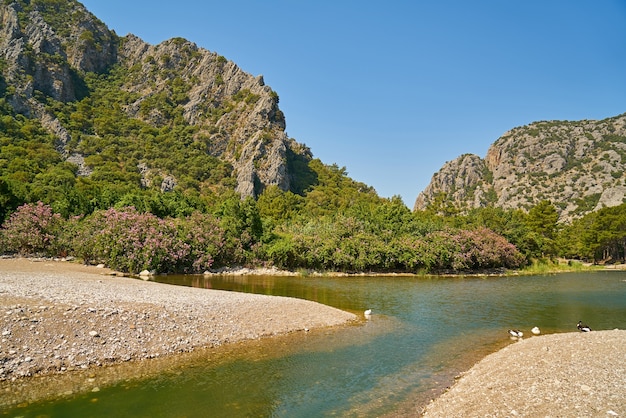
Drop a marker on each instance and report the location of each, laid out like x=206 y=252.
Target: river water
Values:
x=422 y=332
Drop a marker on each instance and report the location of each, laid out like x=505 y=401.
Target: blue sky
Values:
x=393 y=90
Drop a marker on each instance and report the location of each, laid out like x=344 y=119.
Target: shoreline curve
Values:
x=58 y=316
x=568 y=374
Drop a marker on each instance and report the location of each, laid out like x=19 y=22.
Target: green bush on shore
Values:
x=131 y=241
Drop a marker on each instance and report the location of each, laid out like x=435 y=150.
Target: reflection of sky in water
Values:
x=422 y=332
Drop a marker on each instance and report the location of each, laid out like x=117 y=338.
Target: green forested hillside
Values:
x=336 y=223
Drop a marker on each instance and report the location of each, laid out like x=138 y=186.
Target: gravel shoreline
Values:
x=557 y=375
x=57 y=317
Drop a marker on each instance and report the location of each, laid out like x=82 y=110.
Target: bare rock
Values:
x=578 y=166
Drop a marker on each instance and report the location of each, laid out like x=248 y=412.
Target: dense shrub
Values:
x=205 y=238
x=345 y=244
x=130 y=241
x=33 y=229
x=471 y=249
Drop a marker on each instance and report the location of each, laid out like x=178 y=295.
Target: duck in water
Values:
x=582 y=327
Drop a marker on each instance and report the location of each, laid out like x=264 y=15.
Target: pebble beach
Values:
x=58 y=317
x=62 y=319
x=558 y=375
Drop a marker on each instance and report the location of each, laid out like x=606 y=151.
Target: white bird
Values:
x=515 y=333
x=367 y=312
x=535 y=331
x=582 y=327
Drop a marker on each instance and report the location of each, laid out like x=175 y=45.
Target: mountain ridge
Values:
x=50 y=47
x=577 y=165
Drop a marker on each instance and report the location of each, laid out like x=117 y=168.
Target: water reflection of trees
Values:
x=302 y=288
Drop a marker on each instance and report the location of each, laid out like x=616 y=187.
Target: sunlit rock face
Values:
x=49 y=49
x=578 y=166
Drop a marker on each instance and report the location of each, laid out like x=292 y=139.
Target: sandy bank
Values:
x=60 y=316
x=558 y=375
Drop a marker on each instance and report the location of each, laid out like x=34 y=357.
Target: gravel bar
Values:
x=557 y=375
x=61 y=316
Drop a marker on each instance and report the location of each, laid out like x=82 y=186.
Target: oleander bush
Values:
x=477 y=249
x=206 y=240
x=127 y=240
x=33 y=229
x=386 y=239
x=345 y=244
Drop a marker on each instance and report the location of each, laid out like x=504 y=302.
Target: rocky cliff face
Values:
x=250 y=135
x=48 y=47
x=39 y=60
x=578 y=166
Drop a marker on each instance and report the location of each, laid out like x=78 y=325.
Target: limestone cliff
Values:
x=48 y=47
x=578 y=166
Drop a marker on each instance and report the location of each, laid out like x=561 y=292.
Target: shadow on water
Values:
x=423 y=332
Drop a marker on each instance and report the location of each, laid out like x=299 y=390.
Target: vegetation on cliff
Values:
x=578 y=165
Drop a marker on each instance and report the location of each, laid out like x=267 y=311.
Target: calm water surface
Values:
x=423 y=332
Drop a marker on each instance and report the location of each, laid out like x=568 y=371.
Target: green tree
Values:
x=277 y=205
x=602 y=235
x=542 y=223
x=241 y=222
x=8 y=201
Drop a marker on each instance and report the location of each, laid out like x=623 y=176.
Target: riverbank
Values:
x=571 y=374
x=57 y=317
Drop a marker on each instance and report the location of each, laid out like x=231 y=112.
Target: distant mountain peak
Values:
x=579 y=166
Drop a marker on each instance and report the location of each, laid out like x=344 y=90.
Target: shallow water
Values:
x=422 y=332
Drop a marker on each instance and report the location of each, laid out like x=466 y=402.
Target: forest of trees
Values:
x=332 y=223
x=337 y=224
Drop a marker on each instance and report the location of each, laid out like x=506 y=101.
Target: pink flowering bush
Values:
x=33 y=229
x=206 y=241
x=130 y=241
x=470 y=249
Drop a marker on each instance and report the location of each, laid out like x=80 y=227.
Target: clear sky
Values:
x=392 y=90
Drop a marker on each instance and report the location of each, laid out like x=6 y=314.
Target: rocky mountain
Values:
x=49 y=48
x=577 y=165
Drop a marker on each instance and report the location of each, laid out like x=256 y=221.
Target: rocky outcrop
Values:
x=459 y=180
x=48 y=48
x=250 y=134
x=578 y=166
x=39 y=61
x=43 y=58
